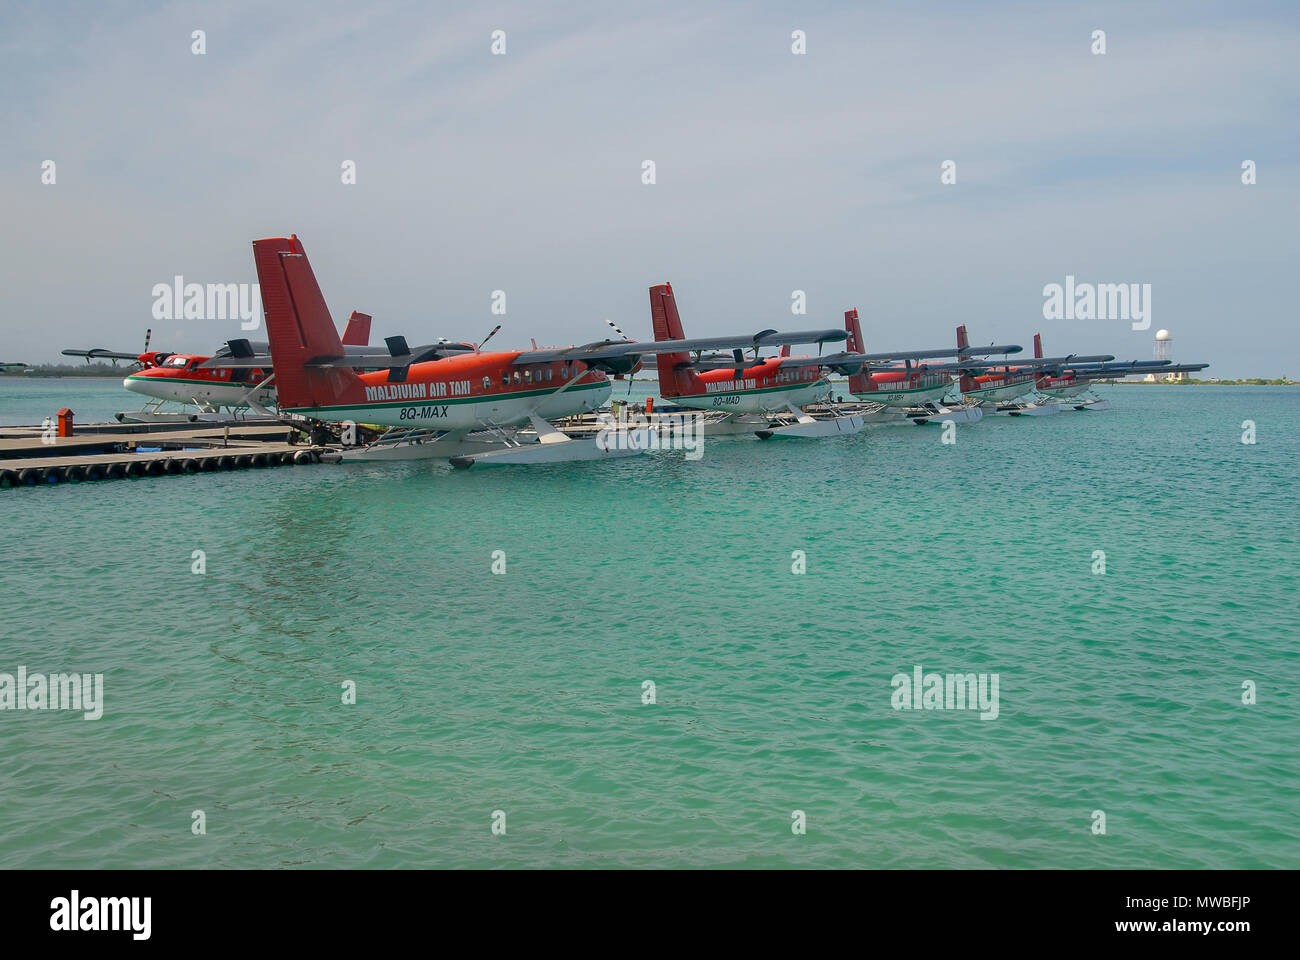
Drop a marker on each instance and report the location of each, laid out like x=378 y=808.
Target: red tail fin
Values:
x=357 y=332
x=1038 y=346
x=673 y=382
x=300 y=329
x=785 y=350
x=967 y=382
x=860 y=382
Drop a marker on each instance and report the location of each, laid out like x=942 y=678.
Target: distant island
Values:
x=1212 y=382
x=68 y=370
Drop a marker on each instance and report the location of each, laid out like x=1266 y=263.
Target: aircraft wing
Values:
x=610 y=352
x=1046 y=361
x=1125 y=364
x=1135 y=366
x=257 y=361
x=944 y=352
x=244 y=355
x=845 y=362
x=99 y=353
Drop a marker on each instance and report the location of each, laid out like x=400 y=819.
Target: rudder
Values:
x=299 y=328
x=357 y=332
x=673 y=381
x=861 y=381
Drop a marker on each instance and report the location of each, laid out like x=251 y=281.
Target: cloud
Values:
x=775 y=172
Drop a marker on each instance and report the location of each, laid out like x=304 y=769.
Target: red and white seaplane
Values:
x=192 y=380
x=1001 y=387
x=757 y=395
x=1072 y=385
x=903 y=384
x=1065 y=386
x=452 y=401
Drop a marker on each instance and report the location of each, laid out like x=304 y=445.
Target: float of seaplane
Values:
x=760 y=395
x=1072 y=386
x=194 y=381
x=466 y=406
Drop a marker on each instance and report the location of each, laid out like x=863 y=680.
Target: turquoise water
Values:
x=26 y=400
x=522 y=692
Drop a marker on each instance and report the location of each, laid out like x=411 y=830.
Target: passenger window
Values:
x=517 y=377
x=505 y=379
x=528 y=376
x=564 y=372
x=487 y=383
x=548 y=374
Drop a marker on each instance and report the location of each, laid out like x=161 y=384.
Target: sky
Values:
x=774 y=171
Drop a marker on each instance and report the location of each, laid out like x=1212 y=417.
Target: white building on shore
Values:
x=1163 y=350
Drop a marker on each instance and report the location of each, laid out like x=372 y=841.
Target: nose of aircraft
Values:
x=136 y=385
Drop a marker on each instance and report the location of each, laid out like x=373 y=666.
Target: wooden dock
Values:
x=28 y=458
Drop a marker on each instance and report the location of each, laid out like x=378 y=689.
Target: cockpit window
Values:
x=177 y=361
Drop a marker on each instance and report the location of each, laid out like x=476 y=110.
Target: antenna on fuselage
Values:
x=488 y=337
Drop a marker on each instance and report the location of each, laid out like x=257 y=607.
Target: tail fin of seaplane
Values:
x=859 y=382
x=967 y=382
x=300 y=329
x=676 y=377
x=357 y=332
x=1038 y=346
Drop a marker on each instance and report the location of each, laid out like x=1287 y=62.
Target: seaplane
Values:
x=1072 y=385
x=197 y=380
x=1001 y=387
x=468 y=406
x=760 y=395
x=907 y=389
